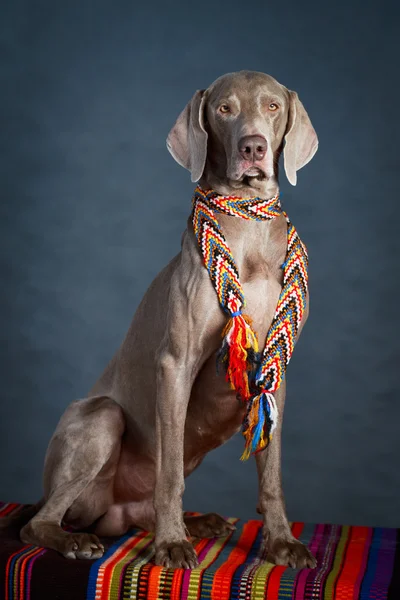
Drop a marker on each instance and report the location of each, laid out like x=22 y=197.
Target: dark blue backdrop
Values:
x=92 y=206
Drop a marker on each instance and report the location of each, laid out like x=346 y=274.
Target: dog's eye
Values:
x=224 y=108
x=273 y=106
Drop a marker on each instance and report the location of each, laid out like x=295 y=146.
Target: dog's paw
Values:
x=70 y=545
x=208 y=526
x=288 y=552
x=82 y=545
x=176 y=555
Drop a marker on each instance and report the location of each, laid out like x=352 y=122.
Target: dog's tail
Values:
x=21 y=516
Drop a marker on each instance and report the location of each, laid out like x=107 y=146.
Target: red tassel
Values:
x=239 y=338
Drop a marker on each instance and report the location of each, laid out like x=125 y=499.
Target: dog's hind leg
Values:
x=85 y=445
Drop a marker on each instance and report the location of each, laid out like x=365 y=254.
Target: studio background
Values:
x=93 y=206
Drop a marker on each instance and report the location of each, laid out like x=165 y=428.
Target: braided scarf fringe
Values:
x=253 y=375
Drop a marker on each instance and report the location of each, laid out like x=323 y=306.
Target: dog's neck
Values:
x=254 y=243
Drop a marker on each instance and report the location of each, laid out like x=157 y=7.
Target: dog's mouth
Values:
x=254 y=172
x=247 y=174
x=251 y=176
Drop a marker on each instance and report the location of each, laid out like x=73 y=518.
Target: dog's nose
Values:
x=253 y=147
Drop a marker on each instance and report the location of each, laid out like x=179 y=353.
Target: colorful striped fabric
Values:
x=353 y=563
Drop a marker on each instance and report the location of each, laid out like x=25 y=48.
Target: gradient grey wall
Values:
x=92 y=206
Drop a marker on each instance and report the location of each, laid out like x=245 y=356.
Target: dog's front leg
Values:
x=191 y=335
x=281 y=547
x=174 y=383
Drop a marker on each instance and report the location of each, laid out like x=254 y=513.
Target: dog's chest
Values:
x=258 y=249
x=214 y=413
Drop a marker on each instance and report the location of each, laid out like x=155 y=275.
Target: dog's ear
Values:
x=187 y=140
x=301 y=142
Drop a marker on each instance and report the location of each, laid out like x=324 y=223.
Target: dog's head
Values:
x=232 y=134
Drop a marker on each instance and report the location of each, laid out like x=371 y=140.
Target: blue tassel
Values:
x=259 y=427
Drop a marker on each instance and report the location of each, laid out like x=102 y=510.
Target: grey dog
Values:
x=119 y=457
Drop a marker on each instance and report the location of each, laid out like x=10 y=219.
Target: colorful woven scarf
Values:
x=254 y=375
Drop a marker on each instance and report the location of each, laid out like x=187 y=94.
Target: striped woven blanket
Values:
x=353 y=562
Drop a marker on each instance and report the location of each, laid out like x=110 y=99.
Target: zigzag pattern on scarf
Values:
x=255 y=378
x=289 y=312
x=217 y=258
x=254 y=209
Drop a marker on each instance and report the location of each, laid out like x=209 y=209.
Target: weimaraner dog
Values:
x=118 y=458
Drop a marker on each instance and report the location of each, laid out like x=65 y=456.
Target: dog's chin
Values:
x=252 y=178
x=245 y=182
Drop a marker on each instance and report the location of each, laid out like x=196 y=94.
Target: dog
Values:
x=119 y=457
